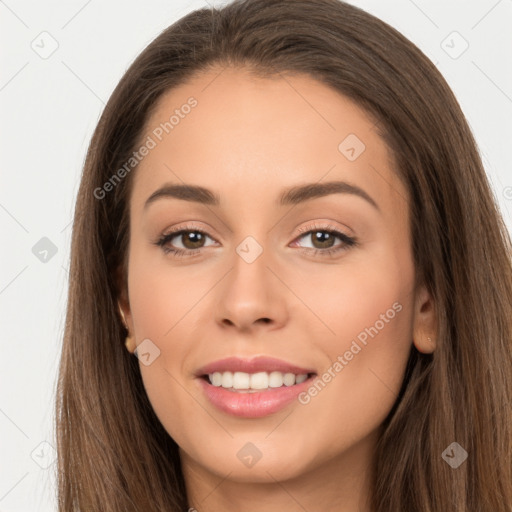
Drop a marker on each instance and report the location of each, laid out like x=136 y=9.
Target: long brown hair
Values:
x=114 y=454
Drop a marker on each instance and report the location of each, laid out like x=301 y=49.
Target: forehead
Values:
x=236 y=133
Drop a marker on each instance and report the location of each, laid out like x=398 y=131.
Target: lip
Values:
x=254 y=404
x=253 y=365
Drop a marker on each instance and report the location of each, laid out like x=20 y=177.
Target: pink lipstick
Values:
x=253 y=388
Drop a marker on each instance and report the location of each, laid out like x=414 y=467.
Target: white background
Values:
x=49 y=110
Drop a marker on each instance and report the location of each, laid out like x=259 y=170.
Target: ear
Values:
x=425 y=322
x=123 y=301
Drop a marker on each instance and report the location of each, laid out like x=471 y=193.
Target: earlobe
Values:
x=425 y=346
x=425 y=322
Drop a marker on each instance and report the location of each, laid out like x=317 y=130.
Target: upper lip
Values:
x=253 y=365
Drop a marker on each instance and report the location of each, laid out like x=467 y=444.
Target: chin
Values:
x=247 y=465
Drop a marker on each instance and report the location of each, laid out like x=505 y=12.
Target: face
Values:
x=289 y=283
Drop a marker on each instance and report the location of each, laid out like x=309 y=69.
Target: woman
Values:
x=290 y=285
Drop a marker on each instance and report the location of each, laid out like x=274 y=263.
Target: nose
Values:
x=251 y=297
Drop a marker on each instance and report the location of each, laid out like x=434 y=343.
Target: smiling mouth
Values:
x=242 y=382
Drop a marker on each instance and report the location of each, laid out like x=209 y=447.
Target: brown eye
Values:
x=184 y=240
x=191 y=239
x=322 y=239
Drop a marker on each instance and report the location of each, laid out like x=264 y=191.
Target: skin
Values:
x=247 y=140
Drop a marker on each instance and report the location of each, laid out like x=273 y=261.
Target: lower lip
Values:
x=254 y=404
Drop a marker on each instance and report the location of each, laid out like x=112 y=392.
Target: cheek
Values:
x=164 y=299
x=364 y=316
x=162 y=303
x=360 y=384
x=361 y=299
x=370 y=314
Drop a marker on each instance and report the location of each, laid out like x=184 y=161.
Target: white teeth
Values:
x=289 y=379
x=256 y=381
x=227 y=380
x=275 y=380
x=300 y=378
x=241 y=380
x=216 y=378
x=259 y=381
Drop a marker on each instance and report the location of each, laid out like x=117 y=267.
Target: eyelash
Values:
x=348 y=242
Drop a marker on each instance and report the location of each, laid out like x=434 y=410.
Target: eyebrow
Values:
x=301 y=193
x=291 y=196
